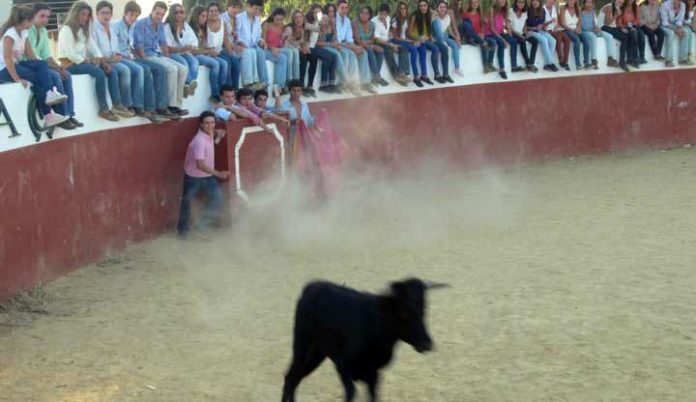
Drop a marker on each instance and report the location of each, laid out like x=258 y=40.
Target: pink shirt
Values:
x=202 y=148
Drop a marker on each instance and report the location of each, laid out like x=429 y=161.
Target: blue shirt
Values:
x=147 y=38
x=344 y=30
x=287 y=106
x=669 y=17
x=107 y=45
x=248 y=32
x=124 y=37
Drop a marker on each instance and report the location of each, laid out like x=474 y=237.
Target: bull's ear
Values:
x=430 y=285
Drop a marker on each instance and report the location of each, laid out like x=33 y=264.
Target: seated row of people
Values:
x=150 y=64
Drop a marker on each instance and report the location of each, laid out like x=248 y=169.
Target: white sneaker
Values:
x=53 y=119
x=53 y=97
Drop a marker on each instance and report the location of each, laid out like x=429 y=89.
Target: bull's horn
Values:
x=435 y=285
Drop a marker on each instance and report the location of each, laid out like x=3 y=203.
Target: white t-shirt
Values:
x=571 y=20
x=553 y=14
x=18 y=46
x=216 y=39
x=381 y=30
x=404 y=29
x=444 y=23
x=517 y=23
x=186 y=37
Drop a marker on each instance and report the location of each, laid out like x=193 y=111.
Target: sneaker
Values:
x=458 y=73
x=311 y=92
x=643 y=61
x=123 y=111
x=140 y=112
x=369 y=88
x=439 y=79
x=178 y=111
x=426 y=80
x=76 y=123
x=554 y=68
x=447 y=78
x=611 y=62
x=502 y=74
x=53 y=97
x=686 y=62
x=166 y=114
x=54 y=119
x=154 y=118
x=382 y=82
x=624 y=67
x=517 y=69
x=548 y=67
x=418 y=82
x=67 y=125
x=192 y=87
x=669 y=63
x=532 y=68
x=108 y=115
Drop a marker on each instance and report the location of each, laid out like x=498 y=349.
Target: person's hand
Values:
x=63 y=73
x=377 y=48
x=597 y=30
x=107 y=68
x=276 y=91
x=262 y=43
x=24 y=83
x=214 y=53
x=395 y=47
x=224 y=175
x=275 y=51
x=358 y=50
x=117 y=57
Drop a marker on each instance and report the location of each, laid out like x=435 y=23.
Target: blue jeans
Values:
x=328 y=69
x=670 y=37
x=413 y=56
x=217 y=80
x=137 y=79
x=120 y=84
x=374 y=60
x=500 y=49
x=434 y=57
x=233 y=67
x=192 y=187
x=547 y=43
x=36 y=72
x=249 y=67
x=341 y=73
x=64 y=87
x=293 y=56
x=189 y=60
x=466 y=30
x=513 y=48
x=576 y=40
x=280 y=68
x=155 y=85
x=99 y=81
x=443 y=41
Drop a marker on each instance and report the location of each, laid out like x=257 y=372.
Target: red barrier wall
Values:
x=68 y=202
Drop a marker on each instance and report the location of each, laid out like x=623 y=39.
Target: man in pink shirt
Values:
x=200 y=175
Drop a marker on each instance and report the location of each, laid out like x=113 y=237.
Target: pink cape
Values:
x=318 y=155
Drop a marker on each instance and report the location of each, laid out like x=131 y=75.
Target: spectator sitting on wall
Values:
x=200 y=176
x=13 y=48
x=60 y=77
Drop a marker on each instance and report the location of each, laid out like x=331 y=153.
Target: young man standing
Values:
x=61 y=78
x=150 y=43
x=200 y=175
x=155 y=96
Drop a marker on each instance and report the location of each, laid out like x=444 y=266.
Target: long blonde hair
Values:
x=18 y=14
x=73 y=19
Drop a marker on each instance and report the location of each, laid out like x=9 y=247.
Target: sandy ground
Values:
x=573 y=280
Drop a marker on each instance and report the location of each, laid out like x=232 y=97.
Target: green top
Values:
x=39 y=42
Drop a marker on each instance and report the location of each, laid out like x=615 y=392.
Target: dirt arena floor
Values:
x=573 y=280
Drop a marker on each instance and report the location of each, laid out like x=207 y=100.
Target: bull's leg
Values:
x=303 y=363
x=372 y=381
x=347 y=382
